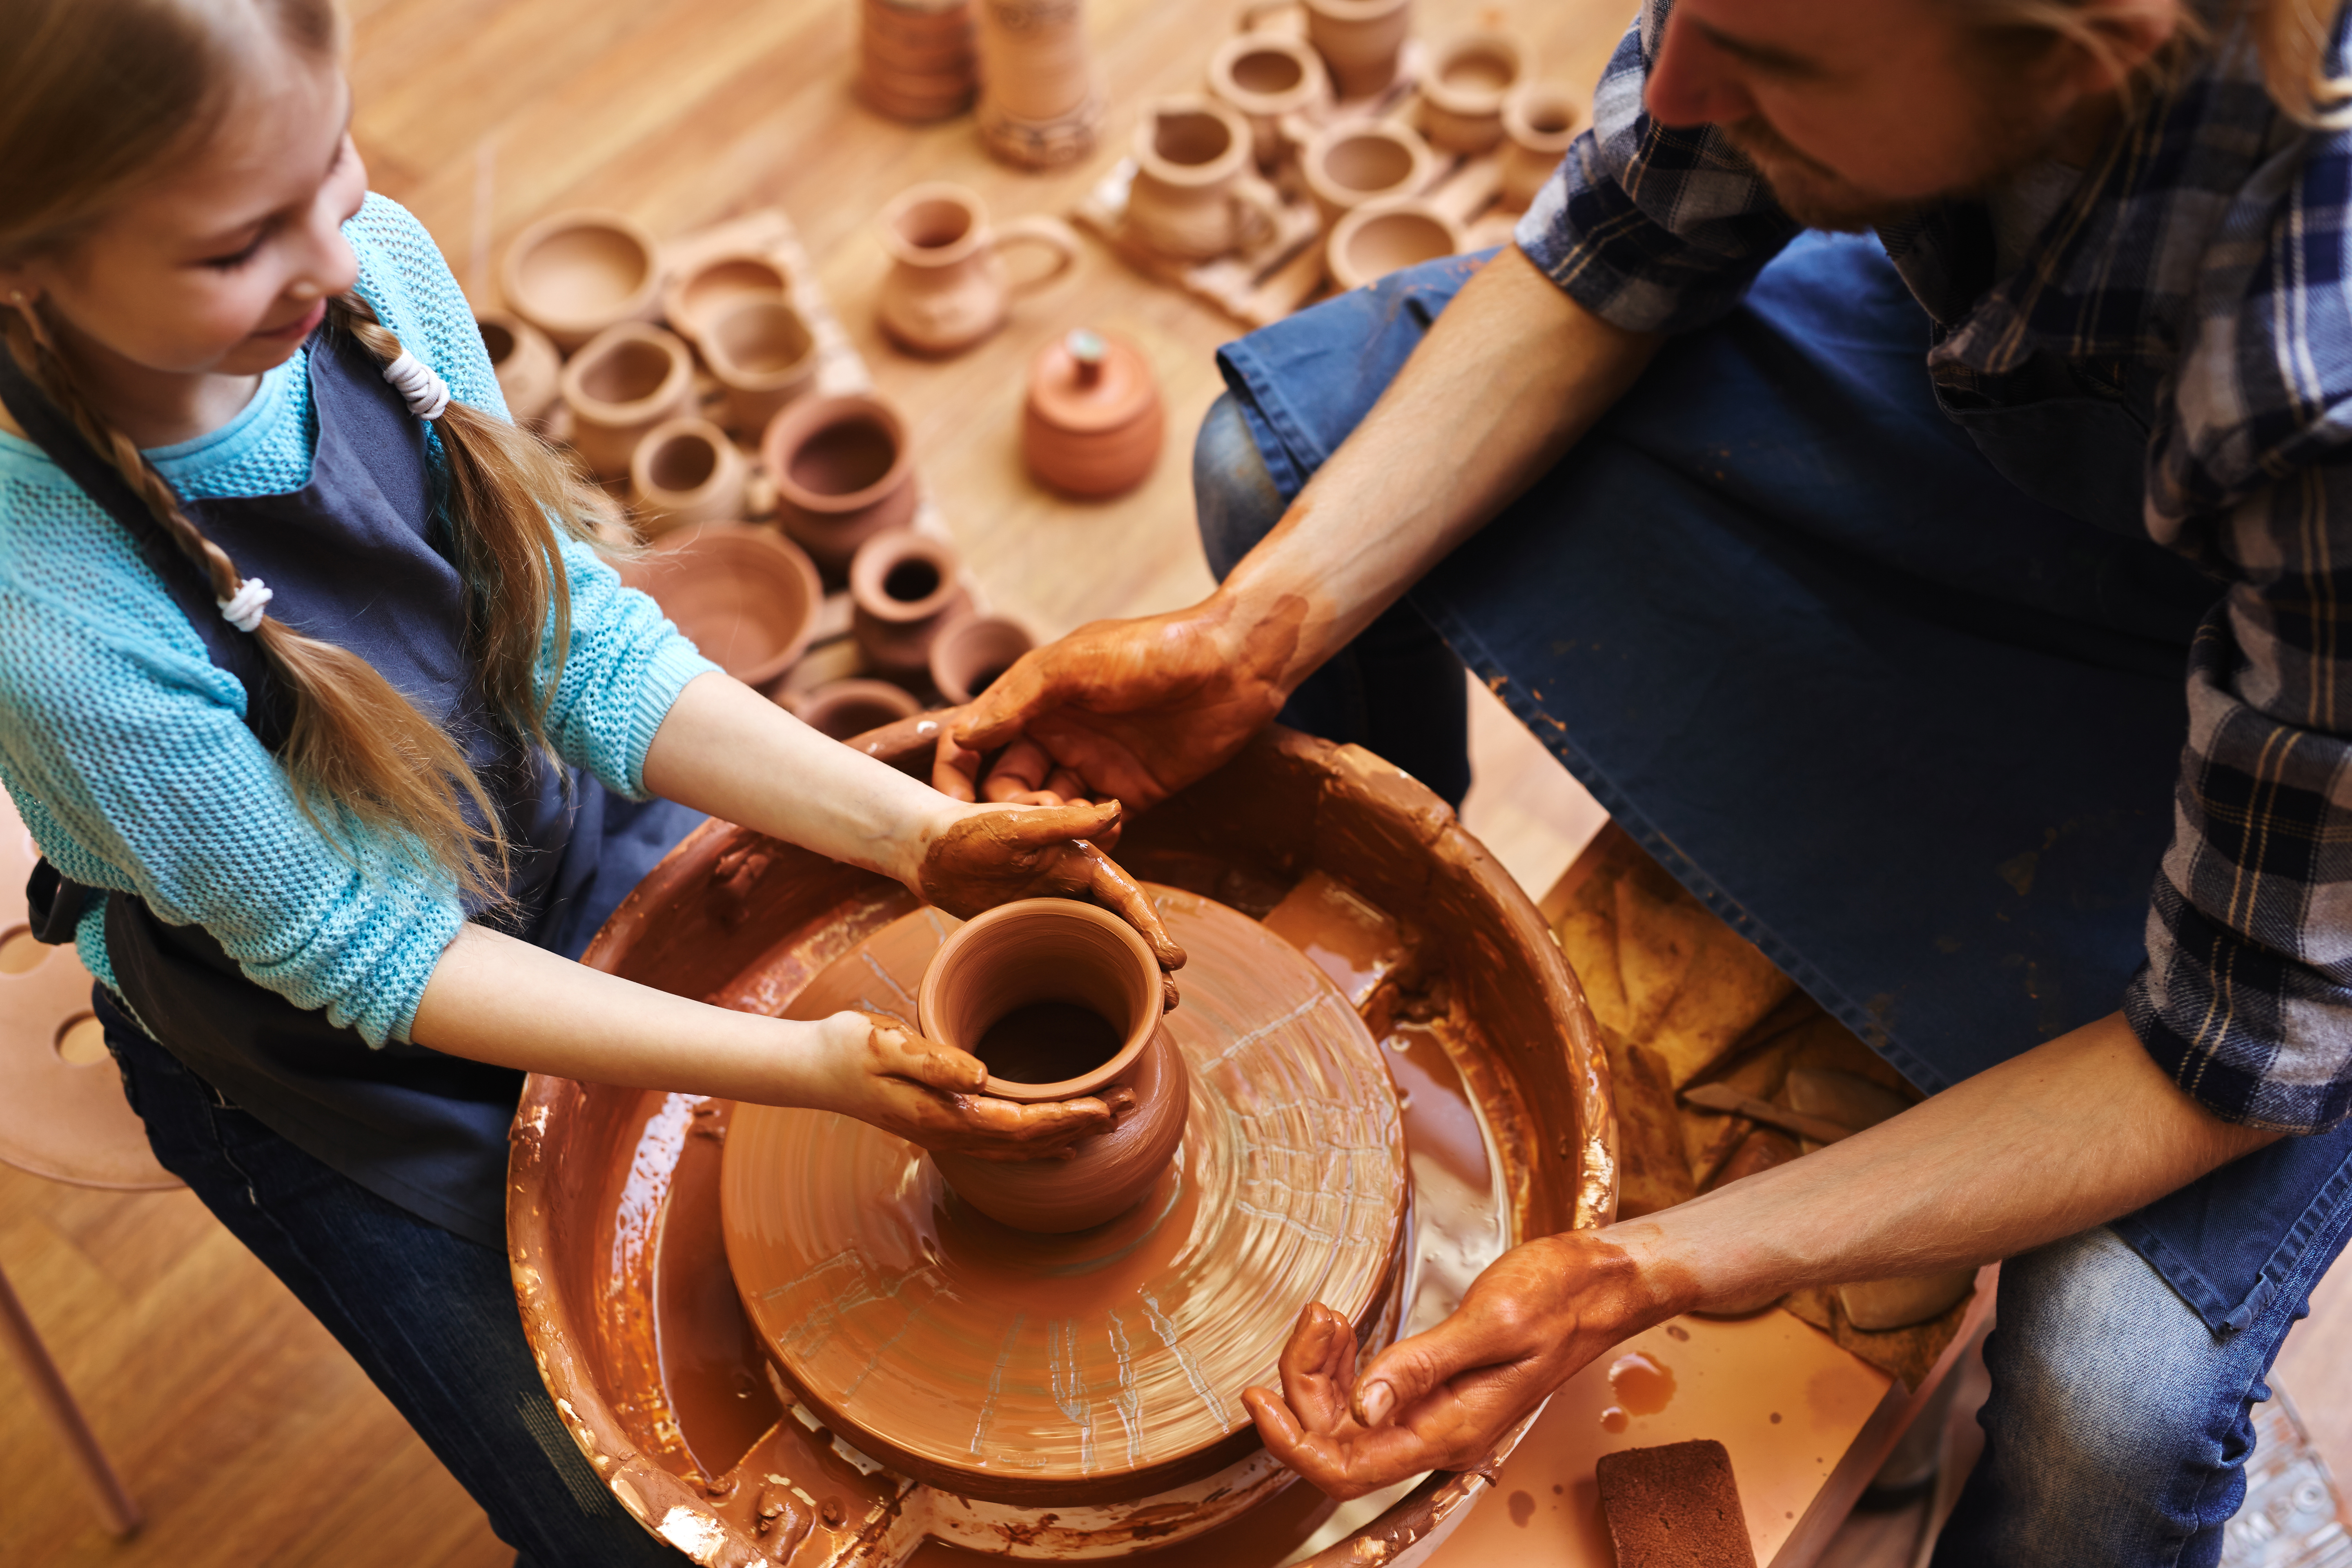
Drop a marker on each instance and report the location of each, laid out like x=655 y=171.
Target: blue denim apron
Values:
x=359 y=557
x=1897 y=690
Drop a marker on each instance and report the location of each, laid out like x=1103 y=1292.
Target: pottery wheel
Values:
x=1001 y=1364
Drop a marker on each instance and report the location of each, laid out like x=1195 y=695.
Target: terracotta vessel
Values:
x=916 y=59
x=685 y=471
x=696 y=295
x=763 y=355
x=1039 y=104
x=1538 y=127
x=947 y=288
x=1462 y=97
x=1266 y=77
x=968 y=657
x=529 y=371
x=1093 y=422
x=745 y=597
x=844 y=708
x=1360 y=40
x=1061 y=999
x=572 y=275
x=843 y=473
x=1191 y=197
x=1346 y=165
x=1379 y=238
x=903 y=588
x=628 y=379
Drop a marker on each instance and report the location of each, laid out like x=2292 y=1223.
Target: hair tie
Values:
x=426 y=393
x=244 y=611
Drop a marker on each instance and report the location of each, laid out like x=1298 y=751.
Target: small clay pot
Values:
x=1191 y=198
x=628 y=379
x=971 y=654
x=841 y=709
x=1538 y=127
x=1379 y=238
x=1346 y=165
x=1462 y=97
x=529 y=371
x=1068 y=997
x=763 y=355
x=1266 y=77
x=1033 y=67
x=918 y=59
x=947 y=288
x=745 y=597
x=695 y=295
x=843 y=473
x=904 y=589
x=685 y=471
x=1093 y=422
x=1360 y=40
x=572 y=275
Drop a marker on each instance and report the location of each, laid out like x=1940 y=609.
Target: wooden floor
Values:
x=245 y=1433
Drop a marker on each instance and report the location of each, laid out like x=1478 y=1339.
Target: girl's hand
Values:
x=883 y=1073
x=990 y=855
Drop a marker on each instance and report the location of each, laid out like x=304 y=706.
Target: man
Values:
x=1858 y=576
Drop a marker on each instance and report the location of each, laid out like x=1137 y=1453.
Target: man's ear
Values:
x=2114 y=38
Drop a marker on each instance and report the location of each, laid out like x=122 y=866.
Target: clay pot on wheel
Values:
x=627 y=380
x=1060 y=999
x=1461 y=97
x=1538 y=127
x=946 y=288
x=1191 y=198
x=844 y=708
x=685 y=471
x=902 y=590
x=968 y=656
x=1346 y=165
x=530 y=375
x=1092 y=427
x=762 y=353
x=1360 y=40
x=744 y=597
x=572 y=275
x=695 y=297
x=1266 y=77
x=843 y=473
x=1381 y=237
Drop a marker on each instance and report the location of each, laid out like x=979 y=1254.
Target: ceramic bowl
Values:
x=745 y=597
x=573 y=274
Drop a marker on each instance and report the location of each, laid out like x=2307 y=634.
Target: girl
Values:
x=343 y=741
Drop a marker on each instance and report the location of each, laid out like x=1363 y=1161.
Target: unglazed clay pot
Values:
x=628 y=379
x=745 y=597
x=1379 y=238
x=1039 y=105
x=684 y=471
x=763 y=355
x=1346 y=165
x=1060 y=999
x=946 y=288
x=843 y=473
x=1191 y=197
x=1266 y=77
x=844 y=708
x=1538 y=127
x=916 y=59
x=1462 y=97
x=572 y=275
x=968 y=656
x=529 y=374
x=1093 y=422
x=903 y=588
x=696 y=295
x=1360 y=40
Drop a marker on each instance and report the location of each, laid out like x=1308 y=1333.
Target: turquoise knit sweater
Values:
x=125 y=748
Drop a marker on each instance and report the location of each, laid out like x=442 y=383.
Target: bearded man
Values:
x=1856 y=573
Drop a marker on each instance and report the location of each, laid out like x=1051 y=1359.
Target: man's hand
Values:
x=991 y=855
x=881 y=1072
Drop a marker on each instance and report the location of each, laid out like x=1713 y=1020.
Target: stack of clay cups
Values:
x=1039 y=106
x=916 y=59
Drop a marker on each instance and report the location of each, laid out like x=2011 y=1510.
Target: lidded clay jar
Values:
x=843 y=473
x=573 y=274
x=1093 y=422
x=744 y=597
x=902 y=591
x=971 y=654
x=628 y=379
x=1061 y=999
x=1462 y=97
x=529 y=371
x=685 y=471
x=1381 y=237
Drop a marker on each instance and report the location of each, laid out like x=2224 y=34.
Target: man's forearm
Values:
x=1511 y=374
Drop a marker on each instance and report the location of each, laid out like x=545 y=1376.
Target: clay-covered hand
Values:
x=990 y=855
x=880 y=1071
x=1130 y=711
x=1442 y=1400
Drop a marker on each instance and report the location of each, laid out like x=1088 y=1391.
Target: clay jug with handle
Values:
x=1192 y=197
x=946 y=288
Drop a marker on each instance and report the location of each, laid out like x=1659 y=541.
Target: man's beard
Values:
x=1820 y=197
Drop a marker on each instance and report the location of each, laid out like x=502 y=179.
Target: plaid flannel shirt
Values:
x=2207 y=255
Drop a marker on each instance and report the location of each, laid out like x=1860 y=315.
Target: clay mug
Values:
x=573 y=274
x=695 y=295
x=946 y=288
x=1266 y=76
x=628 y=379
x=1092 y=421
x=967 y=658
x=1360 y=40
x=851 y=706
x=745 y=597
x=1538 y=127
x=1191 y=197
x=762 y=353
x=685 y=471
x=529 y=371
x=1462 y=96
x=843 y=473
x=1381 y=238
x=902 y=590
x=1061 y=999
x=1346 y=165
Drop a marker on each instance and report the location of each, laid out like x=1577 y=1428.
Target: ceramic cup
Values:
x=844 y=708
x=1093 y=420
x=1032 y=60
x=685 y=471
x=971 y=654
x=1462 y=96
x=696 y=295
x=1264 y=77
x=1060 y=999
x=946 y=288
x=763 y=355
x=1192 y=197
x=745 y=597
x=573 y=274
x=529 y=371
x=1360 y=40
x=1379 y=237
x=1346 y=165
x=626 y=380
x=1539 y=126
x=902 y=591
x=843 y=473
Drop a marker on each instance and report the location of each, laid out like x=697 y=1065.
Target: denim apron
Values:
x=1897 y=688
x=359 y=557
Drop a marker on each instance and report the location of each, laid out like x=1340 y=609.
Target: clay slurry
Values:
x=1046 y=1042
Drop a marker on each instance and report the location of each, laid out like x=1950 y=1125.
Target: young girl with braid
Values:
x=340 y=740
